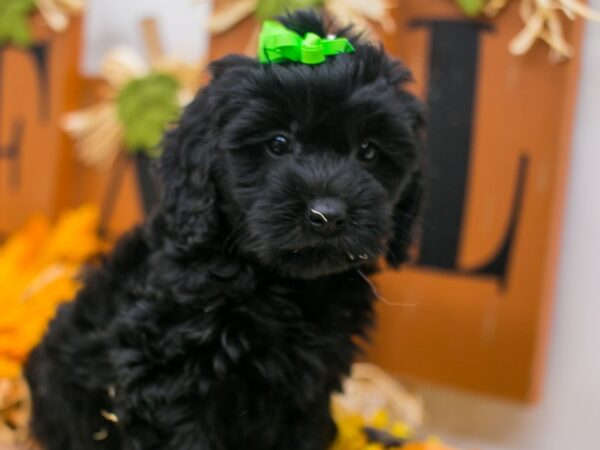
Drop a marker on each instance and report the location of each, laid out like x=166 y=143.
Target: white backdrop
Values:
x=116 y=22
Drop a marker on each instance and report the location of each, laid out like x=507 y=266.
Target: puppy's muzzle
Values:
x=326 y=215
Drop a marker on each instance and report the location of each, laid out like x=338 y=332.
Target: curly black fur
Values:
x=227 y=319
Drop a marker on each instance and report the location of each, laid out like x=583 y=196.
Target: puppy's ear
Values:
x=406 y=216
x=188 y=164
x=408 y=209
x=186 y=167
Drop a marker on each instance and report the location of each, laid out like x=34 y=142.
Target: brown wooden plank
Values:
x=38 y=179
x=466 y=331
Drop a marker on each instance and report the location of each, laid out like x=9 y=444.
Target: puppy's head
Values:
x=310 y=169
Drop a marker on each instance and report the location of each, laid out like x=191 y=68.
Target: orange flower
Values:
x=38 y=269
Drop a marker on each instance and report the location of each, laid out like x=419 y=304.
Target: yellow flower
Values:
x=401 y=430
x=380 y=419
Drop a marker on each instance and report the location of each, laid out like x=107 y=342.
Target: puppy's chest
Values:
x=284 y=326
x=284 y=335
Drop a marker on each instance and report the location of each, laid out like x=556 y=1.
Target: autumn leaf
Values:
x=471 y=8
x=14 y=22
x=146 y=106
x=267 y=9
x=38 y=271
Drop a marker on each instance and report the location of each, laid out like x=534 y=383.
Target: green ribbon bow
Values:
x=276 y=43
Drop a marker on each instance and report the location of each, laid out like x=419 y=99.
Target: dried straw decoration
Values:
x=370 y=390
x=363 y=14
x=96 y=130
x=372 y=399
x=57 y=13
x=543 y=20
x=14 y=413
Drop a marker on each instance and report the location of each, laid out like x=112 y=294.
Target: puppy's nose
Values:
x=326 y=214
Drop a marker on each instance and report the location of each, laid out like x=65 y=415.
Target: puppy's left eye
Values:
x=368 y=152
x=279 y=145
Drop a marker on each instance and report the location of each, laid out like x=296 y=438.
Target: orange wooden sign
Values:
x=472 y=310
x=37 y=85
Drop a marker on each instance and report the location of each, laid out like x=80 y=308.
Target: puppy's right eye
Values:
x=279 y=146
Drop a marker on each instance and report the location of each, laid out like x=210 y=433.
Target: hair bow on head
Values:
x=276 y=43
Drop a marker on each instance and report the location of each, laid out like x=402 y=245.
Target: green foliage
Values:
x=471 y=8
x=267 y=9
x=146 y=106
x=14 y=22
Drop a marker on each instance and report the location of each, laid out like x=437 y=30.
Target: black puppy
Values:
x=226 y=321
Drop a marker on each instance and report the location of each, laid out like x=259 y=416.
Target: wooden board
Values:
x=479 y=295
x=39 y=170
x=37 y=85
x=472 y=311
